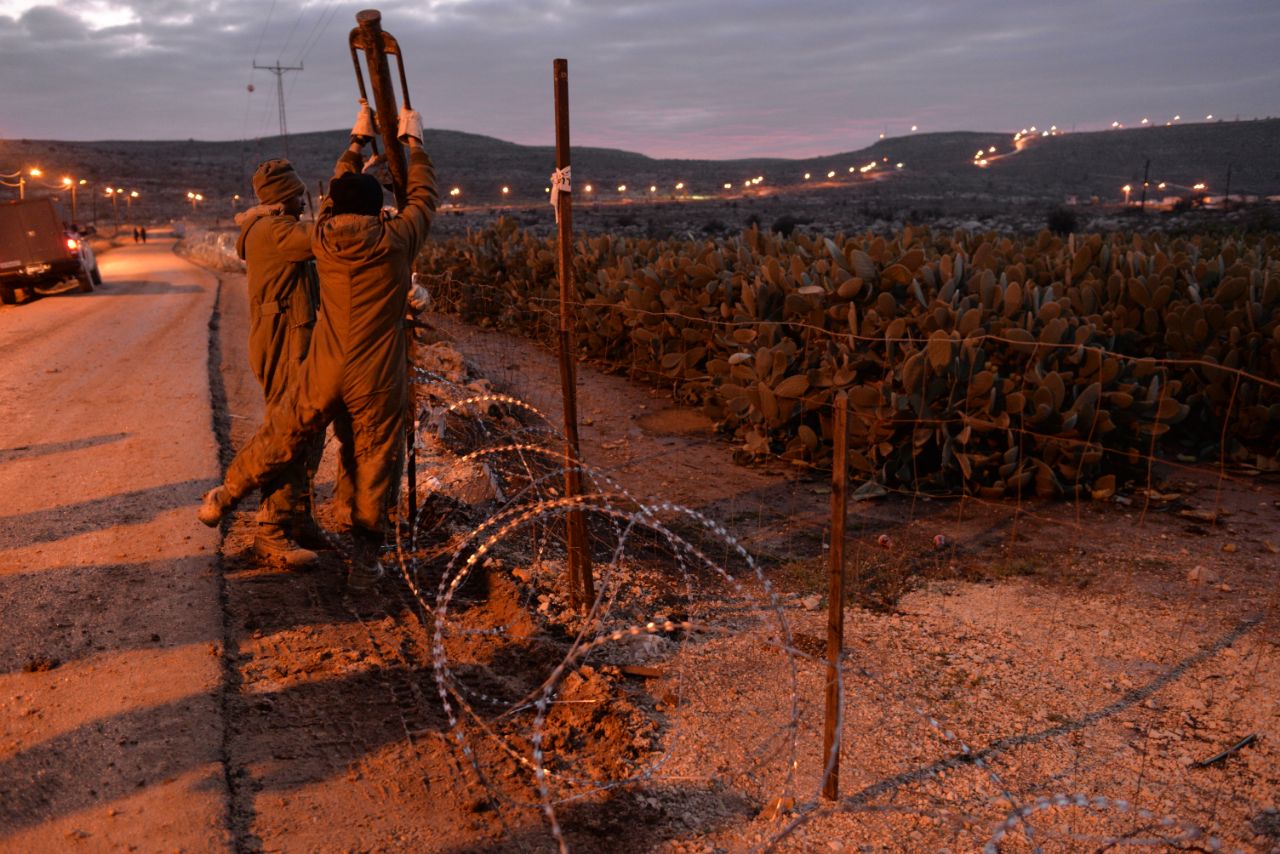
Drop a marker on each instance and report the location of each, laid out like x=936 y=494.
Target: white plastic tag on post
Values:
x=560 y=183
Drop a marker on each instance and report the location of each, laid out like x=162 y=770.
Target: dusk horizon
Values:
x=716 y=81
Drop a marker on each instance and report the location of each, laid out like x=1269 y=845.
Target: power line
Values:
x=318 y=30
x=289 y=38
x=263 y=34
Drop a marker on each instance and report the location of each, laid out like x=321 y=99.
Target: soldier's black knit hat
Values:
x=356 y=193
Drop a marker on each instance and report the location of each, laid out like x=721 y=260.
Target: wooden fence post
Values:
x=581 y=583
x=835 y=593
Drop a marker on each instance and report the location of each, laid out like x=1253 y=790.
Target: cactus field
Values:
x=973 y=362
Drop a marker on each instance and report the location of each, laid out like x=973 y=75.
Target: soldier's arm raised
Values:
x=414 y=221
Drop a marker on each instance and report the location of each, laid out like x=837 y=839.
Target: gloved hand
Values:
x=363 y=131
x=410 y=126
x=419 y=297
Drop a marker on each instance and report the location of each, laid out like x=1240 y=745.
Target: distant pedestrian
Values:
x=143 y=231
x=136 y=237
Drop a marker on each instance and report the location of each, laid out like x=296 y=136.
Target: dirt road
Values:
x=110 y=677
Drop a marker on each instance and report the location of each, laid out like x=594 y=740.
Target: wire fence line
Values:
x=699 y=590
x=928 y=333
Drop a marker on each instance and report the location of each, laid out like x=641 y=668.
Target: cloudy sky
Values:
x=669 y=78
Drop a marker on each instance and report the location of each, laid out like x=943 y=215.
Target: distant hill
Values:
x=934 y=165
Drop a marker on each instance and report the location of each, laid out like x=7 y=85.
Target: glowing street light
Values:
x=914 y=128
x=506 y=190
x=831 y=174
x=455 y=192
x=680 y=185
x=128 y=201
x=1200 y=186
x=806 y=176
x=1127 y=190
x=622 y=188
x=72 y=185
x=590 y=189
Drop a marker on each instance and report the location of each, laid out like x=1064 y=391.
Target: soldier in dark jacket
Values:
x=356 y=365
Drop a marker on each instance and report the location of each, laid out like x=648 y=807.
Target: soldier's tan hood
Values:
x=350 y=237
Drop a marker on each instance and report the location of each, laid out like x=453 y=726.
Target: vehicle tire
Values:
x=8 y=297
x=86 y=282
x=96 y=276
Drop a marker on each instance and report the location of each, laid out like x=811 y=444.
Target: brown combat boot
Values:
x=272 y=545
x=217 y=503
x=366 y=564
x=310 y=535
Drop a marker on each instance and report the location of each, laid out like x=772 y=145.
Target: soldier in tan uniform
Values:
x=356 y=366
x=283 y=301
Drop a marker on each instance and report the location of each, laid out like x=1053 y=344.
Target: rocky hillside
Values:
x=935 y=166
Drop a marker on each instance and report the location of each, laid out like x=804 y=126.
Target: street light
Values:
x=194 y=198
x=34 y=172
x=114 y=194
x=1127 y=190
x=71 y=184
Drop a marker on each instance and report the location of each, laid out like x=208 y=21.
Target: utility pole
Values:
x=278 y=70
x=1226 y=198
x=1146 y=173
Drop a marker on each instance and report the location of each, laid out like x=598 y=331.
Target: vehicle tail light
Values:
x=73 y=244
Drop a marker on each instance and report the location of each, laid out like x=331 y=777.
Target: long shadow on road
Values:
x=82 y=768
x=98 y=514
x=60 y=615
x=22 y=452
